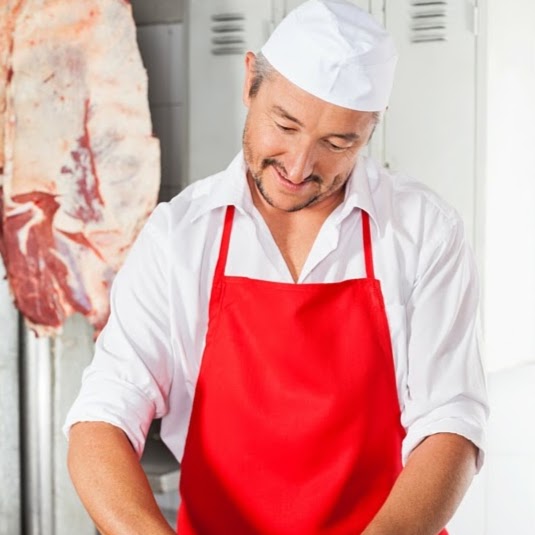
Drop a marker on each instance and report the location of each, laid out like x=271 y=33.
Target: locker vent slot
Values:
x=428 y=21
x=228 y=34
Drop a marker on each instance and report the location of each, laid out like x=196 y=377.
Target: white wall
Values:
x=509 y=267
x=502 y=500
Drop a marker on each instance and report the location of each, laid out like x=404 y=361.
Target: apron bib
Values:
x=295 y=427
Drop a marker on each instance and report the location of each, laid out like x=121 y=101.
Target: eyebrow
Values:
x=285 y=115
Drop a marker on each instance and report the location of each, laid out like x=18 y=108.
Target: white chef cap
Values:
x=335 y=51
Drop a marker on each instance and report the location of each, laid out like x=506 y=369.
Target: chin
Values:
x=287 y=204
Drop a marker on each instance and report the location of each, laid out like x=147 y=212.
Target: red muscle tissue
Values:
x=79 y=167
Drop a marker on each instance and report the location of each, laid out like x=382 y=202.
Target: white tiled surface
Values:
x=511 y=495
x=502 y=499
x=471 y=517
x=511 y=467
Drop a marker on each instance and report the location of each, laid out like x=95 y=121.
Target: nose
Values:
x=300 y=162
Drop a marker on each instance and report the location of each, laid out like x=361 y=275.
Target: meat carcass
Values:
x=81 y=171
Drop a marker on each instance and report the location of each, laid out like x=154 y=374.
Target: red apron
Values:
x=295 y=427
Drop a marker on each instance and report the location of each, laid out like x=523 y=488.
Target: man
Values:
x=304 y=322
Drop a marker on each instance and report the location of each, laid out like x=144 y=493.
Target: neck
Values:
x=295 y=232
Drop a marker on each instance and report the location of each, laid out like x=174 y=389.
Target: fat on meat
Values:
x=81 y=167
x=7 y=8
x=4 y=50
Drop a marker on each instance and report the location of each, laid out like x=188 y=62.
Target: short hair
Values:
x=262 y=69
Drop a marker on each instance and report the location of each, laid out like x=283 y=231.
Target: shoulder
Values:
x=196 y=199
x=409 y=208
x=180 y=214
x=420 y=232
x=203 y=202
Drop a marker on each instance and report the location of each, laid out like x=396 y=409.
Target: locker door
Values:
x=219 y=34
x=429 y=129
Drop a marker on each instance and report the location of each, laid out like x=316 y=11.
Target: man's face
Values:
x=299 y=150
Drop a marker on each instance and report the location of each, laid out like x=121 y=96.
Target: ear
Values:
x=250 y=59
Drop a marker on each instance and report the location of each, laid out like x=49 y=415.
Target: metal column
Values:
x=36 y=372
x=51 y=370
x=10 y=493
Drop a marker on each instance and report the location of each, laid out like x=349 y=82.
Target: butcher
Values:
x=303 y=322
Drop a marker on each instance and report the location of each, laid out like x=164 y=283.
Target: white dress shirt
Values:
x=147 y=358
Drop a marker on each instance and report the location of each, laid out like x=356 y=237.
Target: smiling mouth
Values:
x=288 y=184
x=281 y=175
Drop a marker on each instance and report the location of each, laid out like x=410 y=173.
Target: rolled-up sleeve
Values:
x=446 y=387
x=127 y=384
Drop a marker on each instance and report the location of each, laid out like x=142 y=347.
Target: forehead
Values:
x=278 y=93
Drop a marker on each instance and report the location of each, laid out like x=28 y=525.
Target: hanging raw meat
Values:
x=79 y=168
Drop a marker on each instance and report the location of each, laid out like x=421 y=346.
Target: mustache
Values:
x=268 y=162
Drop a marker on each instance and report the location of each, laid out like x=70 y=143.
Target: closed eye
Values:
x=285 y=128
x=336 y=148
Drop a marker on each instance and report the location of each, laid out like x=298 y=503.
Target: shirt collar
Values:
x=358 y=194
x=231 y=189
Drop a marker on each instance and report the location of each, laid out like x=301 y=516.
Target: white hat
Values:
x=337 y=52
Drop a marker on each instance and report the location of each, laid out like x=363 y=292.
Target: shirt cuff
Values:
x=472 y=432
x=117 y=403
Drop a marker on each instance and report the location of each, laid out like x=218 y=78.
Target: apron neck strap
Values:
x=225 y=240
x=367 y=240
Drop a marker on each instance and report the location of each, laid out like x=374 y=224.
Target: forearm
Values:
x=429 y=489
x=109 y=479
